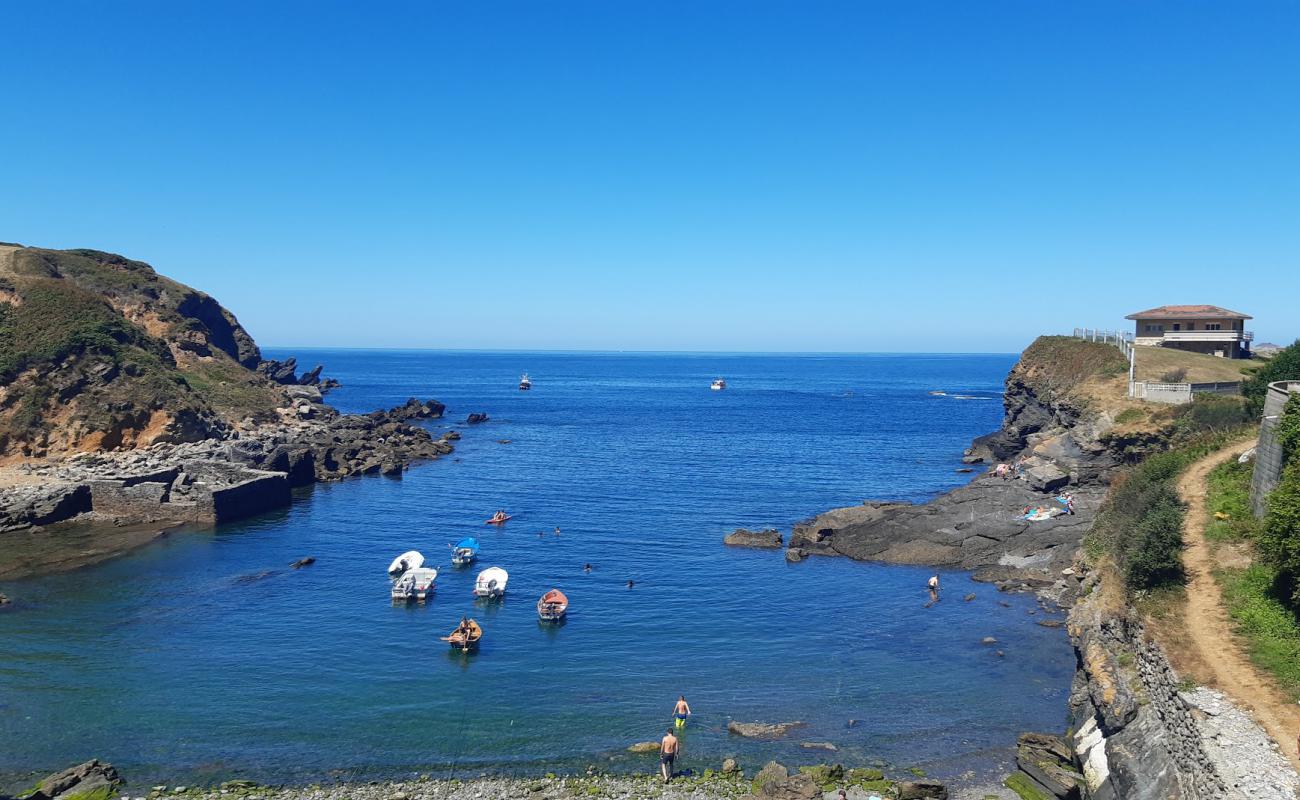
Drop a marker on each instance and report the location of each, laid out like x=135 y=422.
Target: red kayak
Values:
x=498 y=521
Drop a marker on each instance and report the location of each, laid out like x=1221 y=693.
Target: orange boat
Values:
x=553 y=606
x=466 y=639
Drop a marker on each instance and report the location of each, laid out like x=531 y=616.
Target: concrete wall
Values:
x=1179 y=393
x=1268 y=455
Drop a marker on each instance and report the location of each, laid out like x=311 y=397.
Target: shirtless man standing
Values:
x=668 y=748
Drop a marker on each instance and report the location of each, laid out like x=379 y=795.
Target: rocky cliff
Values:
x=127 y=396
x=1059 y=434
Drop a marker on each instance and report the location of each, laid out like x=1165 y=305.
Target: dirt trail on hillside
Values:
x=1209 y=628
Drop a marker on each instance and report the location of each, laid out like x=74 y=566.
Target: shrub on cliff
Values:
x=1285 y=366
x=1058 y=364
x=1279 y=537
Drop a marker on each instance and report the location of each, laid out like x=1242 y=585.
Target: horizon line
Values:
x=579 y=351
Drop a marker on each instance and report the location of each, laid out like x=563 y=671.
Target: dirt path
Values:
x=1209 y=629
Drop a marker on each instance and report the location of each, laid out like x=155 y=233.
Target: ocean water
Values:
x=202 y=656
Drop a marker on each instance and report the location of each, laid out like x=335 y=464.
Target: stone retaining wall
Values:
x=1134 y=736
x=1268 y=454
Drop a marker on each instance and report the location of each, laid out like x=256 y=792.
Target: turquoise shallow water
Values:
x=202 y=656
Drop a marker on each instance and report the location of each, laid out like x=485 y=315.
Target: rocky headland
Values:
x=1137 y=729
x=128 y=398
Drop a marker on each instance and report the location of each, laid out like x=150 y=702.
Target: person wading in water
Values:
x=681 y=711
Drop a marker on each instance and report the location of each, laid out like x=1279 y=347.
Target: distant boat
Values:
x=408 y=560
x=525 y=383
x=718 y=385
x=467 y=639
x=491 y=582
x=465 y=551
x=415 y=584
x=552 y=606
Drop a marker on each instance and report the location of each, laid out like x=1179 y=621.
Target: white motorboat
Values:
x=491 y=582
x=415 y=584
x=411 y=559
x=718 y=385
x=525 y=383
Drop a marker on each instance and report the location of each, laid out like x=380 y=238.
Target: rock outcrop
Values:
x=1053 y=439
x=93 y=780
x=1134 y=736
x=744 y=538
x=222 y=479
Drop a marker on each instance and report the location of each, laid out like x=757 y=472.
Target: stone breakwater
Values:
x=246 y=472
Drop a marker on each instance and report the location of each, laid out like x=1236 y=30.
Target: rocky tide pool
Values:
x=203 y=656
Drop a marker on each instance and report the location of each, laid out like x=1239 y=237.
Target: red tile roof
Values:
x=1183 y=312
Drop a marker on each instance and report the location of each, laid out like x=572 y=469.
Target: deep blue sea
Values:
x=202 y=656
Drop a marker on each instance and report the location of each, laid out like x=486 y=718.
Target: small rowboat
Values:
x=465 y=640
x=491 y=582
x=501 y=521
x=552 y=606
x=415 y=584
x=411 y=559
x=465 y=551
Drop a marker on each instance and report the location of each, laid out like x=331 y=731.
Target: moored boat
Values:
x=466 y=636
x=718 y=385
x=411 y=559
x=552 y=606
x=525 y=383
x=415 y=584
x=491 y=582
x=465 y=551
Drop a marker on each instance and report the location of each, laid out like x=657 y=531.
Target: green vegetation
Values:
x=1061 y=363
x=1258 y=598
x=1228 y=501
x=1129 y=415
x=1285 y=366
x=1141 y=522
x=57 y=319
x=1025 y=788
x=1265 y=622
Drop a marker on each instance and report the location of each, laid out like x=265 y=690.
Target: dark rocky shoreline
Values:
x=214 y=480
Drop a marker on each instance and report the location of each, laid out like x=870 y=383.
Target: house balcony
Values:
x=1174 y=337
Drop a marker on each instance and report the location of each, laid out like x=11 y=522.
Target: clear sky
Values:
x=616 y=174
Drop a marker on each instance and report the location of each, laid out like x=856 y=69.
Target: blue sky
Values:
x=747 y=175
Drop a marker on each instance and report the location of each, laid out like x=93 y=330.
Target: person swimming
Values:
x=586 y=567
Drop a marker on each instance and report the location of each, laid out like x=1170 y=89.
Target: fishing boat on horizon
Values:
x=491 y=583
x=411 y=559
x=415 y=585
x=718 y=385
x=553 y=606
x=525 y=383
x=466 y=636
x=465 y=551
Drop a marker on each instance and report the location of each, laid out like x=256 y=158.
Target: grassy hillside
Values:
x=100 y=352
x=1180 y=366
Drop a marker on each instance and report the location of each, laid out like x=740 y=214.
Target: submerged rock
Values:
x=922 y=789
x=644 y=747
x=746 y=538
x=763 y=730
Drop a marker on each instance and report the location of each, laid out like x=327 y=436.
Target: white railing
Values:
x=1122 y=340
x=1207 y=336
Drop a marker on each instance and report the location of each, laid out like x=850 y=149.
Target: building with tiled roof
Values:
x=1201 y=329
